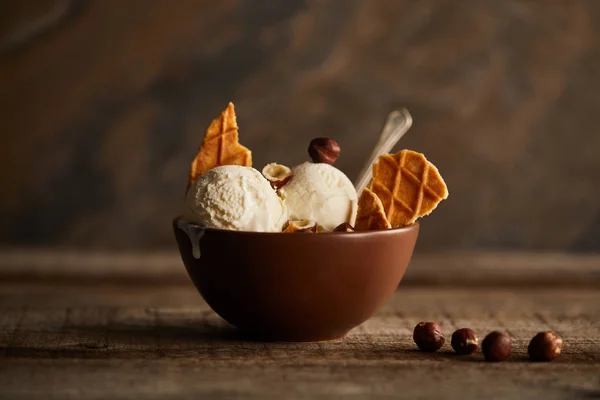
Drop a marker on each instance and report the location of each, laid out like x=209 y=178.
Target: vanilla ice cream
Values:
x=321 y=193
x=236 y=198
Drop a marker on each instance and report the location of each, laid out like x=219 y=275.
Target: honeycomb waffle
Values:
x=408 y=185
x=220 y=146
x=371 y=214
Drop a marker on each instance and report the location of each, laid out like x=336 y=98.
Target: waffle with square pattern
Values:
x=408 y=185
x=370 y=215
x=220 y=146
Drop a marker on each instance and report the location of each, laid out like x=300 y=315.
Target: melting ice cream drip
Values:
x=195 y=234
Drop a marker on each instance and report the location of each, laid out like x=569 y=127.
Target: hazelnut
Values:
x=277 y=174
x=545 y=346
x=428 y=336
x=464 y=341
x=324 y=150
x=303 y=225
x=344 y=227
x=496 y=346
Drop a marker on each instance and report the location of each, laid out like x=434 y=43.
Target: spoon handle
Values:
x=396 y=125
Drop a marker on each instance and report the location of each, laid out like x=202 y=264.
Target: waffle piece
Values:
x=371 y=214
x=408 y=185
x=220 y=146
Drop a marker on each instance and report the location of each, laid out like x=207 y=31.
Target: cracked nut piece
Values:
x=277 y=174
x=344 y=227
x=428 y=336
x=496 y=346
x=545 y=346
x=303 y=225
x=464 y=341
x=324 y=150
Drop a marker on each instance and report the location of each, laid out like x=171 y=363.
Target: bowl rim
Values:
x=383 y=232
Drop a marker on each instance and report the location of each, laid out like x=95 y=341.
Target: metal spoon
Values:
x=396 y=125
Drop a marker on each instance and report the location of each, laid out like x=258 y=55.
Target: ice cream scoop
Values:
x=236 y=198
x=322 y=193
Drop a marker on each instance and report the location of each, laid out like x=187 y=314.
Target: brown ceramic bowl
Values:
x=295 y=286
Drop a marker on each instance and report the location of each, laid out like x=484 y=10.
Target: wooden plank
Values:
x=400 y=378
x=94 y=342
x=85 y=331
x=38 y=332
x=73 y=265
x=118 y=342
x=465 y=269
x=153 y=331
x=10 y=324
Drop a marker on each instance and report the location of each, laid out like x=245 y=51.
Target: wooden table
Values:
x=144 y=333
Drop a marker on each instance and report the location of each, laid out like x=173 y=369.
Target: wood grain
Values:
x=103 y=104
x=164 y=342
x=441 y=269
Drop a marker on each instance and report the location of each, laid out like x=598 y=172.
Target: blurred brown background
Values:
x=103 y=104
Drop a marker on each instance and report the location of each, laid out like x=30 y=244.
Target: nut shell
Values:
x=496 y=346
x=303 y=225
x=428 y=336
x=344 y=227
x=324 y=150
x=545 y=346
x=277 y=174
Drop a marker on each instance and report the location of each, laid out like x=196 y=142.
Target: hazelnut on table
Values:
x=545 y=346
x=496 y=346
x=464 y=341
x=428 y=336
